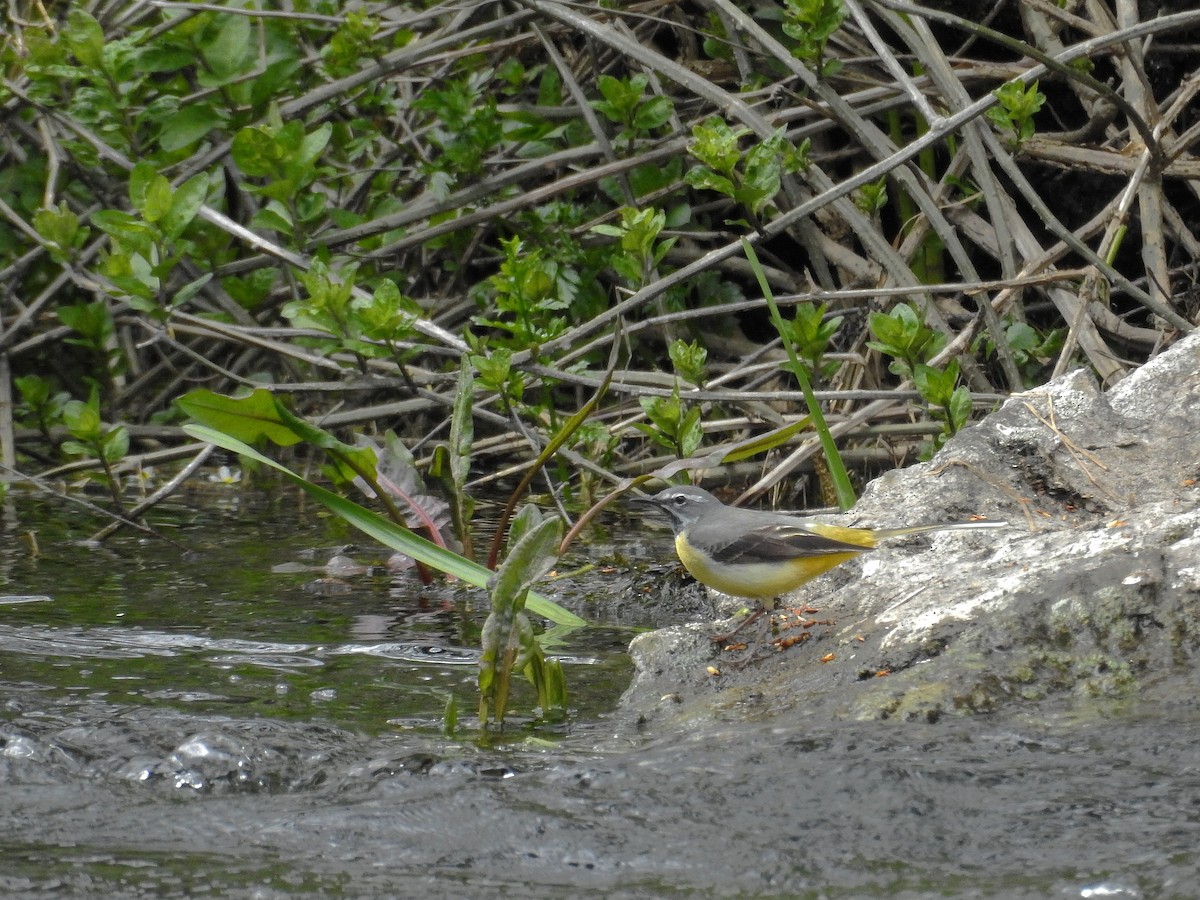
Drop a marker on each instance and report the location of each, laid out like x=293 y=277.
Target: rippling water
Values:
x=235 y=722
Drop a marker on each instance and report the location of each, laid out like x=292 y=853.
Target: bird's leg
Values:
x=765 y=607
x=754 y=647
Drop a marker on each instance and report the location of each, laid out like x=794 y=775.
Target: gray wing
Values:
x=774 y=542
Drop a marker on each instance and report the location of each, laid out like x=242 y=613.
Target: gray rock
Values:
x=1094 y=592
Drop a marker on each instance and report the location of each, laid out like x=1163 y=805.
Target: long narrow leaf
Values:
x=387 y=533
x=837 y=470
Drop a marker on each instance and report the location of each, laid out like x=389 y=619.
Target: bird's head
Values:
x=685 y=505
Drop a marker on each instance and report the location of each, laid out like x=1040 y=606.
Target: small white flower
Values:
x=226 y=475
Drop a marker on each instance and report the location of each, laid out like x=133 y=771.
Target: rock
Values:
x=1094 y=592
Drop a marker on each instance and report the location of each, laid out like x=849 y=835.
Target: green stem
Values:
x=837 y=470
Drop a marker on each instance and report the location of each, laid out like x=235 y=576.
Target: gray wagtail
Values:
x=760 y=555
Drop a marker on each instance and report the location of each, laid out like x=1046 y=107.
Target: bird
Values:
x=757 y=554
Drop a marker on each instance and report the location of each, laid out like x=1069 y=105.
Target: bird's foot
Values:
x=745 y=623
x=773 y=636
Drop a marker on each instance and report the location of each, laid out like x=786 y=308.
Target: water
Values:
x=196 y=724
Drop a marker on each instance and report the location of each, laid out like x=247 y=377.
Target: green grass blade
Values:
x=837 y=470
x=387 y=533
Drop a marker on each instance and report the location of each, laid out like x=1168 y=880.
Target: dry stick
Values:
x=528 y=199
x=740 y=54
x=585 y=109
x=1059 y=61
x=1090 y=288
x=426 y=207
x=879 y=145
x=892 y=65
x=21 y=225
x=8 y=442
x=1182 y=230
x=1068 y=303
x=451 y=35
x=919 y=38
x=1053 y=152
x=641 y=389
x=811 y=447
x=41 y=485
x=864 y=229
x=53 y=156
x=186 y=323
x=1028 y=278
x=1046 y=61
x=1045 y=36
x=158 y=496
x=1176 y=148
x=1096 y=350
x=1102 y=316
x=1150 y=193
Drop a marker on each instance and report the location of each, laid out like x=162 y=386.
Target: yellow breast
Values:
x=755 y=580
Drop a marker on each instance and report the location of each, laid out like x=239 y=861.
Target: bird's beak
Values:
x=646 y=500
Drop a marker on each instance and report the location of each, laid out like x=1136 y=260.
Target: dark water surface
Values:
x=201 y=724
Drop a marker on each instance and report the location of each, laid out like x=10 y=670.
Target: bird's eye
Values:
x=680 y=500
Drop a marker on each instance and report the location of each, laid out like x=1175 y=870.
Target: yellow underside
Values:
x=758 y=581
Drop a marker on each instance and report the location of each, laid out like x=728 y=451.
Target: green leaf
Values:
x=126 y=231
x=388 y=533
x=959 y=408
x=140 y=177
x=462 y=426
x=190 y=290
x=691 y=433
x=450 y=716
x=763 y=443
x=312 y=146
x=653 y=113
x=91 y=320
x=157 y=201
x=531 y=557
x=243 y=418
x=59 y=226
x=274 y=80
x=549 y=680
x=705 y=179
x=256 y=152
x=226 y=49
x=929 y=383
x=764 y=167
x=688 y=360
x=185 y=205
x=608 y=230
x=34 y=390
x=273 y=217
x=115 y=444
x=83 y=421
x=665 y=412
x=188 y=126
x=528 y=517
x=1021 y=337
x=318 y=437
x=85 y=37
x=716 y=144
